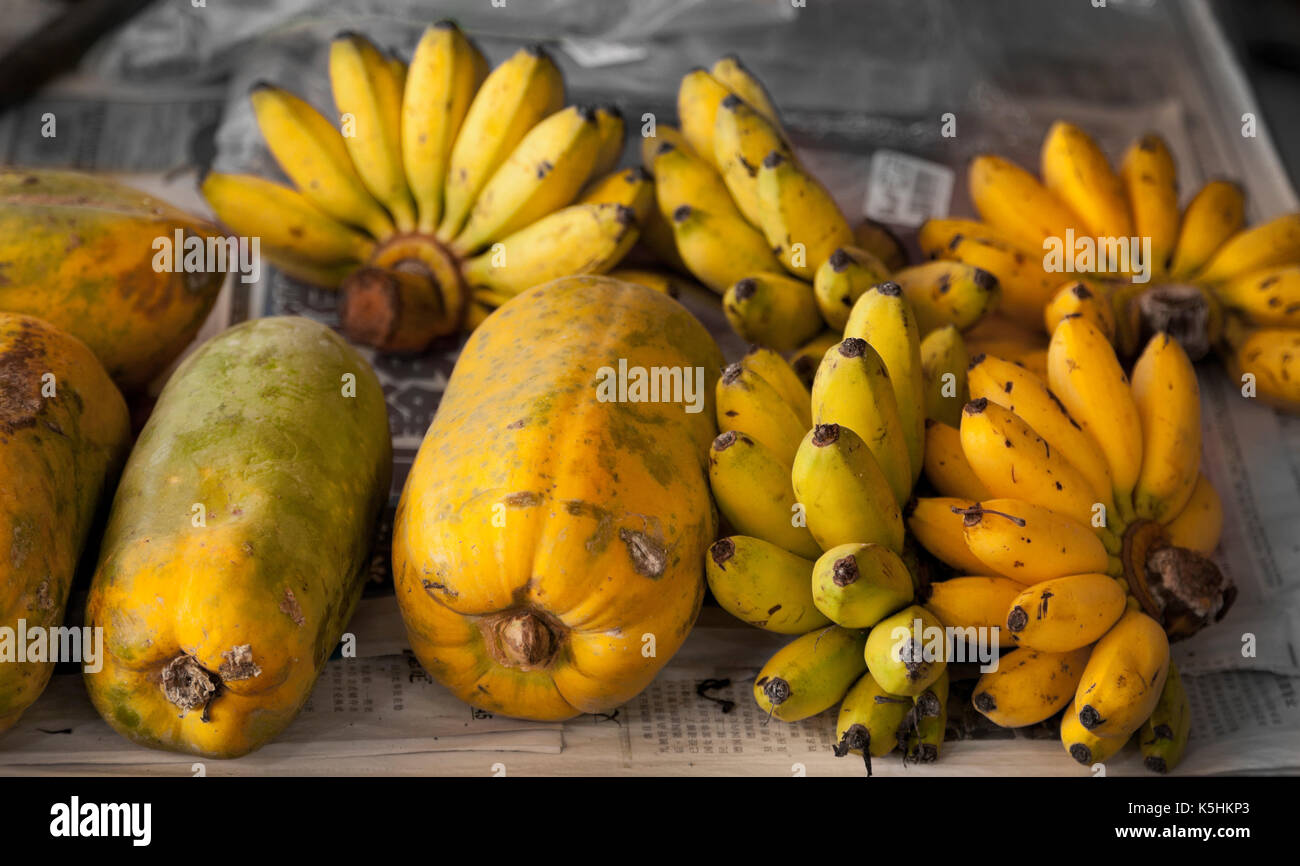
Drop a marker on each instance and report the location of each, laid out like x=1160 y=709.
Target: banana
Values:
x=944 y=364
x=929 y=724
x=879 y=240
x=1272 y=356
x=883 y=318
x=1079 y=298
x=289 y=226
x=1029 y=686
x=1084 y=746
x=1124 y=677
x=749 y=403
x=974 y=601
x=397 y=68
x=773 y=310
x=720 y=248
x=443 y=77
x=946 y=466
x=940 y=234
x=1065 y=613
x=869 y=721
x=858 y=585
x=661 y=281
x=631 y=187
x=841 y=279
x=845 y=495
x=1215 y=214
x=663 y=134
x=613 y=131
x=763 y=585
x=1074 y=168
x=580 y=239
x=780 y=375
x=1150 y=181
x=752 y=488
x=907 y=652
x=682 y=177
x=852 y=389
x=544 y=172
x=312 y=153
x=1168 y=400
x=1199 y=525
x=1013 y=201
x=1276 y=242
x=1028 y=396
x=807 y=358
x=811 y=673
x=742 y=139
x=513 y=98
x=1083 y=372
x=657 y=234
x=365 y=88
x=1024 y=287
x=1013 y=461
x=948 y=293
x=800 y=219
x=936 y=522
x=698 y=99
x=1269 y=298
x=1028 y=543
x=737 y=78
x=1164 y=736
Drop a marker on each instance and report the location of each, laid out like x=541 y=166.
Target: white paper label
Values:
x=906 y=190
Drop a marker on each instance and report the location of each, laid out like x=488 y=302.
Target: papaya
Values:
x=548 y=546
x=237 y=544
x=64 y=433
x=79 y=251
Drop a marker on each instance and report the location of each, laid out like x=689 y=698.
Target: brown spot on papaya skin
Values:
x=430 y=586
x=523 y=499
x=188 y=684
x=20 y=380
x=237 y=664
x=290 y=607
x=648 y=555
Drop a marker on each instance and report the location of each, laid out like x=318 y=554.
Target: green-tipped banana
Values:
x=845 y=496
x=811 y=673
x=772 y=310
x=842 y=278
x=1163 y=737
x=944 y=361
x=752 y=488
x=763 y=585
x=858 y=585
x=870 y=721
x=907 y=652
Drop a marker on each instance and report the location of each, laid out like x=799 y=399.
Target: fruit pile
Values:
x=1212 y=283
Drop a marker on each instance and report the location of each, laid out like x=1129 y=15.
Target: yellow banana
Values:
x=844 y=494
x=1023 y=285
x=929 y=724
x=810 y=674
x=1065 y=613
x=841 y=279
x=1199 y=525
x=1084 y=373
x=698 y=98
x=631 y=187
x=948 y=293
x=737 y=78
x=936 y=522
x=752 y=488
x=742 y=139
x=609 y=123
x=869 y=721
x=907 y=652
x=1151 y=186
x=749 y=403
x=1013 y=201
x=513 y=98
x=883 y=318
x=1074 y=168
x=1029 y=686
x=657 y=235
x=946 y=465
x=1163 y=737
x=879 y=240
x=807 y=358
x=763 y=585
x=1272 y=356
x=800 y=219
x=974 y=601
x=720 y=248
x=769 y=365
x=544 y=172
x=289 y=226
x=1124 y=677
x=683 y=178
x=366 y=91
x=580 y=239
x=944 y=363
x=1079 y=298
x=1276 y=242
x=773 y=310
x=663 y=134
x=858 y=585
x=1084 y=746
x=852 y=389
x=1215 y=214
x=1168 y=401
x=661 y=281
x=312 y=153
x=1030 y=544
x=1013 y=461
x=443 y=77
x=937 y=235
x=1269 y=298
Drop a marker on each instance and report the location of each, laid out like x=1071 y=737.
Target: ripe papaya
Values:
x=64 y=432
x=549 y=544
x=237 y=544
x=79 y=251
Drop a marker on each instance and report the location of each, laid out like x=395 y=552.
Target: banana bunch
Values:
x=1075 y=514
x=737 y=209
x=1205 y=278
x=441 y=189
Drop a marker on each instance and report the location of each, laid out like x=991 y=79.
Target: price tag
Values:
x=906 y=190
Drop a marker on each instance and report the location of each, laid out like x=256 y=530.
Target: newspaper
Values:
x=379 y=713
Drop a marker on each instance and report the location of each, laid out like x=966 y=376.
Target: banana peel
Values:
x=1178 y=588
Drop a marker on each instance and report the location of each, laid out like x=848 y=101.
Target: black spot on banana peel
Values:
x=852 y=347
x=976 y=406
x=856 y=738
x=985 y=703
x=744 y=290
x=844 y=571
x=722 y=550
x=889 y=288
x=840 y=260
x=1017 y=619
x=825 y=434
x=773 y=159
x=1181 y=311
x=1081 y=753
x=1089 y=717
x=777 y=691
x=1178 y=588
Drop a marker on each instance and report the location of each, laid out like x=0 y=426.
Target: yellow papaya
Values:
x=238 y=541
x=549 y=545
